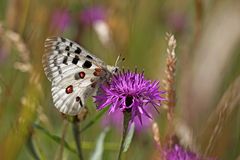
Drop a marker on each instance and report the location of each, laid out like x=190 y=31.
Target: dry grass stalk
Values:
x=157 y=139
x=13 y=141
x=24 y=52
x=227 y=104
x=169 y=82
x=156 y=134
x=198 y=19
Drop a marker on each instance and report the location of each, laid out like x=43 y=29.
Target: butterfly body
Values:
x=74 y=72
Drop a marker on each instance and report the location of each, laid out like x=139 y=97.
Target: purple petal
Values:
x=143 y=93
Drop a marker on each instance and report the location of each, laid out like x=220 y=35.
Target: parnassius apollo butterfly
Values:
x=74 y=72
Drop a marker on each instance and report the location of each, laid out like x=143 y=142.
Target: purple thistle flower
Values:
x=93 y=14
x=61 y=19
x=177 y=152
x=129 y=92
x=177 y=21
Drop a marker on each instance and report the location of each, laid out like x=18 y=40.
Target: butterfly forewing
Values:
x=74 y=73
x=63 y=55
x=60 y=44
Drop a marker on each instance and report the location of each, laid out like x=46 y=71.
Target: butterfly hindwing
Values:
x=73 y=71
x=71 y=99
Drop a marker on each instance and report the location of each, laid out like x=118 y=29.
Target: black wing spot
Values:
x=65 y=60
x=75 y=60
x=78 y=50
x=89 y=57
x=59 y=70
x=68 y=54
x=67 y=48
x=55 y=62
x=80 y=102
x=63 y=39
x=70 y=44
x=87 y=64
x=57 y=47
x=78 y=98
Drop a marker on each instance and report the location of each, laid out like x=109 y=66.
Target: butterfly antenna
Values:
x=118 y=60
x=116 y=63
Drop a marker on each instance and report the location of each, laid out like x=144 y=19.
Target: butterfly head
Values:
x=113 y=69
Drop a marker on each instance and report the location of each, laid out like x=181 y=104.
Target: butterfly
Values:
x=74 y=72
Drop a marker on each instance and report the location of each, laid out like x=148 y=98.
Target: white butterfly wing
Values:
x=70 y=103
x=74 y=73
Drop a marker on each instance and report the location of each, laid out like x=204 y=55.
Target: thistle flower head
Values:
x=129 y=92
x=177 y=152
x=92 y=14
x=177 y=21
x=61 y=19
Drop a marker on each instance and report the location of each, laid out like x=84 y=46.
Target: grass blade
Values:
x=31 y=148
x=129 y=137
x=97 y=154
x=55 y=138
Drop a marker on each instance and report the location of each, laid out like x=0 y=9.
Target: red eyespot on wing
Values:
x=97 y=72
x=81 y=74
x=69 y=89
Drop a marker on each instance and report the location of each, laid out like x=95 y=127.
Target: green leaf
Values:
x=129 y=137
x=55 y=138
x=97 y=154
x=31 y=148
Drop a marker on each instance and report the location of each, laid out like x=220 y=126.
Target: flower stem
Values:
x=59 y=155
x=76 y=135
x=127 y=117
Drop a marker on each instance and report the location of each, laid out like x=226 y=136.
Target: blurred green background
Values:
x=208 y=53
